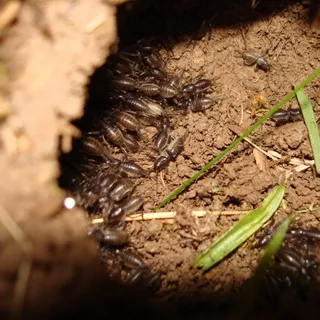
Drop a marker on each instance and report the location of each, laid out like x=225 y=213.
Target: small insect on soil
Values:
x=252 y=58
x=285 y=116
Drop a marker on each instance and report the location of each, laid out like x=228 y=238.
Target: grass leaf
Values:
x=311 y=124
x=241 y=231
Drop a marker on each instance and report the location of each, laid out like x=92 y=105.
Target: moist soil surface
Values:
x=242 y=179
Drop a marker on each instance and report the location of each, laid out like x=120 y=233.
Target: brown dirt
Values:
x=44 y=96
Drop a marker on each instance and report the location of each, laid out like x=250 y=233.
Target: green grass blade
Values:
x=311 y=124
x=287 y=98
x=241 y=231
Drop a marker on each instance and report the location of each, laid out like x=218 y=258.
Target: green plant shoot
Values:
x=242 y=230
x=311 y=124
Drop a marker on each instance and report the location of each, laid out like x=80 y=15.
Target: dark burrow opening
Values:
x=133 y=91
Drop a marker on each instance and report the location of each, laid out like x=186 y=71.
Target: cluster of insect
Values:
x=140 y=94
x=295 y=262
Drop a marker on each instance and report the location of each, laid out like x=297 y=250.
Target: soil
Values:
x=41 y=106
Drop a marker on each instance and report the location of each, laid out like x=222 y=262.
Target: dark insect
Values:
x=110 y=237
x=106 y=182
x=296 y=255
x=161 y=163
x=201 y=103
x=253 y=58
x=267 y=237
x=162 y=138
x=292 y=260
x=116 y=216
x=158 y=73
x=127 y=121
x=175 y=80
x=132 y=205
x=171 y=153
x=200 y=86
x=176 y=147
x=131 y=144
x=149 y=120
x=311 y=233
x=115 y=271
x=149 y=89
x=128 y=207
x=124 y=83
x=154 y=108
x=121 y=67
x=113 y=134
x=134 y=277
x=130 y=259
x=153 y=59
x=152 y=282
x=121 y=190
x=148 y=281
x=131 y=169
x=93 y=147
x=168 y=91
x=135 y=103
x=285 y=116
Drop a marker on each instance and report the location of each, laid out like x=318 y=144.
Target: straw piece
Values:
x=172 y=214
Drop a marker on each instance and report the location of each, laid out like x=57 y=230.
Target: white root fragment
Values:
x=260 y=149
x=171 y=214
x=301 y=165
